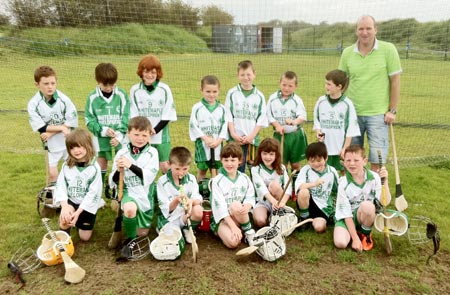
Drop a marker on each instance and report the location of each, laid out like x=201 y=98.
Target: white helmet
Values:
x=271 y=241
x=169 y=245
x=284 y=218
x=396 y=221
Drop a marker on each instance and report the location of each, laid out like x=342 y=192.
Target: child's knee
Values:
x=235 y=208
x=231 y=243
x=319 y=224
x=340 y=244
x=129 y=209
x=197 y=213
x=275 y=189
x=259 y=221
x=341 y=237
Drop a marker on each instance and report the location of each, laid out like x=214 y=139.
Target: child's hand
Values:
x=319 y=182
x=74 y=219
x=356 y=245
x=236 y=233
x=279 y=129
x=237 y=138
x=282 y=204
x=320 y=136
x=45 y=136
x=383 y=172
x=114 y=142
x=65 y=130
x=123 y=162
x=247 y=139
x=216 y=143
x=66 y=215
x=110 y=133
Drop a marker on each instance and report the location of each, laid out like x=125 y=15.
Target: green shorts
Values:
x=144 y=218
x=206 y=165
x=108 y=154
x=163 y=151
x=214 y=226
x=295 y=144
x=335 y=161
x=341 y=222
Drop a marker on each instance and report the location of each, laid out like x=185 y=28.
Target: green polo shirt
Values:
x=369 y=76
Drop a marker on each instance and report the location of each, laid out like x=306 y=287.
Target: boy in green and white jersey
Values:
x=208 y=128
x=232 y=198
x=316 y=187
x=355 y=208
x=106 y=115
x=246 y=111
x=153 y=99
x=335 y=116
x=139 y=161
x=173 y=187
x=286 y=113
x=52 y=114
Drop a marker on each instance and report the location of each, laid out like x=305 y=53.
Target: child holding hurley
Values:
x=232 y=198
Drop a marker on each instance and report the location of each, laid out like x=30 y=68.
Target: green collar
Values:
x=225 y=173
x=334 y=100
x=368 y=176
x=149 y=88
x=247 y=92
x=183 y=180
x=280 y=96
x=210 y=107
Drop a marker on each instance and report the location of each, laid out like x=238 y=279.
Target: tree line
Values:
x=82 y=13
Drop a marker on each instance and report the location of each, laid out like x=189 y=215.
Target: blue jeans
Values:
x=377 y=136
x=244 y=158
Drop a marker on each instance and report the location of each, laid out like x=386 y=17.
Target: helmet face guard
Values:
x=272 y=243
x=169 y=245
x=24 y=261
x=45 y=206
x=136 y=249
x=285 y=219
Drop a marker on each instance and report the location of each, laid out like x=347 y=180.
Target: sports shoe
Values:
x=305 y=226
x=187 y=236
x=366 y=241
x=249 y=235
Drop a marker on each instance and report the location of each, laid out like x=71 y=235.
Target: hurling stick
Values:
x=249 y=250
x=400 y=202
x=116 y=237
x=188 y=220
x=212 y=162
x=387 y=239
x=282 y=146
x=297 y=225
x=74 y=273
x=287 y=185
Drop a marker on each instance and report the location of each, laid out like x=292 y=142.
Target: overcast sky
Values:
x=331 y=11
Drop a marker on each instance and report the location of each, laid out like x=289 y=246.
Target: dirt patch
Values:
x=219 y=271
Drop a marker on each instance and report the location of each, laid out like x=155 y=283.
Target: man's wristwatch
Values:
x=393 y=111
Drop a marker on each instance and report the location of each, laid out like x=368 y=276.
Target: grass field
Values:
x=422 y=135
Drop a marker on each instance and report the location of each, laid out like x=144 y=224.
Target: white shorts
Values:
x=55 y=157
x=266 y=204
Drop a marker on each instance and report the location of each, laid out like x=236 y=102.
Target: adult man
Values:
x=374 y=70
